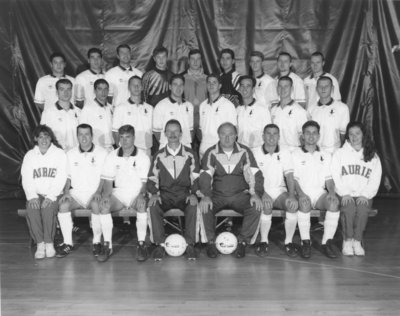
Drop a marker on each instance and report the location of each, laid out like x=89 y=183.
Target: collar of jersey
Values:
x=120 y=152
x=290 y=103
x=260 y=76
x=221 y=151
x=131 y=102
x=266 y=152
x=251 y=103
x=173 y=101
x=323 y=74
x=91 y=149
x=303 y=148
x=288 y=75
x=63 y=76
x=329 y=103
x=168 y=153
x=125 y=69
x=59 y=107
x=99 y=103
x=219 y=97
x=95 y=73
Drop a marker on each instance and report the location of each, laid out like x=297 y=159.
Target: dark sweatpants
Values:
x=239 y=203
x=354 y=219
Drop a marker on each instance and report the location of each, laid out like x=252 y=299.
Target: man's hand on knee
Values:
x=140 y=203
x=267 y=201
x=34 y=203
x=292 y=204
x=46 y=202
x=305 y=202
x=205 y=204
x=154 y=199
x=346 y=200
x=256 y=201
x=362 y=200
x=192 y=200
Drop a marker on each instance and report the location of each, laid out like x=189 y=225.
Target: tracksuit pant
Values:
x=354 y=219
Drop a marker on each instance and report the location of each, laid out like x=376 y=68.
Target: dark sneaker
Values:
x=105 y=253
x=191 y=252
x=240 y=250
x=291 y=250
x=141 y=253
x=262 y=249
x=158 y=253
x=211 y=250
x=96 y=249
x=63 y=250
x=327 y=249
x=305 y=251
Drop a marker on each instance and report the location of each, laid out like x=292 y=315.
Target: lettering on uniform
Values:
x=356 y=170
x=44 y=172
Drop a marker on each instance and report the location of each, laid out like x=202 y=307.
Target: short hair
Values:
x=194 y=51
x=325 y=78
x=99 y=82
x=284 y=54
x=227 y=124
x=94 y=50
x=227 y=51
x=159 y=50
x=63 y=81
x=214 y=75
x=310 y=123
x=173 y=122
x=123 y=46
x=286 y=78
x=84 y=126
x=126 y=129
x=256 y=53
x=247 y=77
x=45 y=130
x=176 y=76
x=317 y=53
x=133 y=78
x=57 y=54
x=271 y=125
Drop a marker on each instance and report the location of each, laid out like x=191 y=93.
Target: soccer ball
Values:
x=175 y=245
x=226 y=243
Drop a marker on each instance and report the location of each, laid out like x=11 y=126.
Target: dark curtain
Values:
x=355 y=36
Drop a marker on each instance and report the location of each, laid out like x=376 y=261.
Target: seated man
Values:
x=230 y=179
x=276 y=166
x=127 y=168
x=173 y=184
x=83 y=188
x=315 y=189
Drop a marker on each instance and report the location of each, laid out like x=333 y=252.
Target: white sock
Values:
x=96 y=228
x=304 y=222
x=141 y=225
x=66 y=225
x=330 y=225
x=265 y=226
x=107 y=227
x=290 y=226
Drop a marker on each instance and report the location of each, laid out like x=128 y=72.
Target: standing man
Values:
x=230 y=179
x=83 y=188
x=46 y=92
x=229 y=76
x=172 y=182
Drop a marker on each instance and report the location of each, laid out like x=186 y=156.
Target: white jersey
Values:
x=99 y=117
x=46 y=93
x=44 y=174
x=310 y=84
x=63 y=123
x=140 y=116
x=333 y=118
x=274 y=167
x=265 y=91
x=290 y=120
x=84 y=85
x=118 y=78
x=84 y=171
x=168 y=109
x=352 y=175
x=298 y=92
x=252 y=119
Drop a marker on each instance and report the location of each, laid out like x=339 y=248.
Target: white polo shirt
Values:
x=118 y=78
x=310 y=84
x=252 y=119
x=265 y=91
x=63 y=123
x=100 y=118
x=298 y=92
x=140 y=116
x=46 y=93
x=84 y=171
x=274 y=167
x=333 y=118
x=168 y=109
x=290 y=120
x=84 y=85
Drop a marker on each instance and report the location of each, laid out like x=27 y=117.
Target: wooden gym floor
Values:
x=276 y=285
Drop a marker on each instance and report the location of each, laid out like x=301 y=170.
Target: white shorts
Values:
x=82 y=197
x=275 y=193
x=314 y=196
x=125 y=196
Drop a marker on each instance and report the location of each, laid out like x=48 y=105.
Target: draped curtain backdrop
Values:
x=355 y=36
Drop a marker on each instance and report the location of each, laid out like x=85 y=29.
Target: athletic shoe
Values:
x=141 y=253
x=158 y=253
x=63 y=250
x=241 y=250
x=96 y=249
x=305 y=251
x=262 y=249
x=348 y=248
x=50 y=251
x=358 y=249
x=40 y=251
x=291 y=250
x=191 y=252
x=106 y=252
x=327 y=249
x=211 y=250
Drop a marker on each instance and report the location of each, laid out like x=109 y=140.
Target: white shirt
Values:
x=252 y=119
x=168 y=109
x=100 y=118
x=46 y=93
x=84 y=85
x=298 y=92
x=310 y=84
x=140 y=116
x=63 y=123
x=265 y=91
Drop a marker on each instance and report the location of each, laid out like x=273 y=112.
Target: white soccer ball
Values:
x=175 y=245
x=226 y=243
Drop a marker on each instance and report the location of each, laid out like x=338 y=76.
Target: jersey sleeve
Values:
x=336 y=90
x=39 y=92
x=327 y=166
x=109 y=172
x=111 y=88
x=257 y=174
x=158 y=118
x=84 y=116
x=28 y=184
x=336 y=171
x=231 y=113
x=79 y=89
x=287 y=162
x=117 y=118
x=44 y=120
x=299 y=91
x=371 y=189
x=207 y=172
x=144 y=168
x=344 y=120
x=153 y=177
x=60 y=178
x=191 y=115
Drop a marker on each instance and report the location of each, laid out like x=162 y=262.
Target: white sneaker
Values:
x=50 y=251
x=348 y=248
x=40 y=251
x=358 y=249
